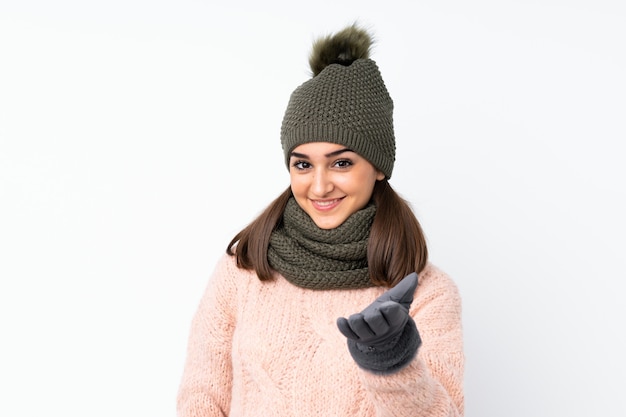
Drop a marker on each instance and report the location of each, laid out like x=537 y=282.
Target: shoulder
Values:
x=226 y=277
x=226 y=265
x=433 y=276
x=435 y=285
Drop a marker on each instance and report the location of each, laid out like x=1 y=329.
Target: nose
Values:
x=321 y=183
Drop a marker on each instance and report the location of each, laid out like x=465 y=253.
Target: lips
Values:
x=325 y=205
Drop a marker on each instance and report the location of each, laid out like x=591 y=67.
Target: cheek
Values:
x=297 y=183
x=365 y=186
x=358 y=183
x=349 y=185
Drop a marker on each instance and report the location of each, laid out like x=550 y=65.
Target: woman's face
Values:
x=330 y=182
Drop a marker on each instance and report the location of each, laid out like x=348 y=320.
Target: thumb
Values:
x=403 y=292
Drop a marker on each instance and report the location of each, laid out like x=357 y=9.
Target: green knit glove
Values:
x=383 y=337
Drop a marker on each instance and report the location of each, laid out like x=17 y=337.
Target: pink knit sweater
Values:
x=271 y=349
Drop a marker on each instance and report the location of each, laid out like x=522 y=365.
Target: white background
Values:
x=137 y=137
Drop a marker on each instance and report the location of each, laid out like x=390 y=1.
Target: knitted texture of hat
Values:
x=346 y=102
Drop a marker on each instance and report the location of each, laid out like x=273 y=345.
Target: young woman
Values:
x=326 y=304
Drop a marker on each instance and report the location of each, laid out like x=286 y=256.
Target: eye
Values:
x=300 y=165
x=343 y=163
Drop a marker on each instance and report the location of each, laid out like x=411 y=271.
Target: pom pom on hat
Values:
x=343 y=48
x=345 y=102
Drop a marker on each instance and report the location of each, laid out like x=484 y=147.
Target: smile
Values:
x=325 y=204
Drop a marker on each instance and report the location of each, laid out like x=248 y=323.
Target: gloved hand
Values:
x=383 y=337
x=384 y=319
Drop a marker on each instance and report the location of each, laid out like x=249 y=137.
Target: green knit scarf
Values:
x=322 y=259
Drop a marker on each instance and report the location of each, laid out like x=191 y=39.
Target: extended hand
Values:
x=382 y=322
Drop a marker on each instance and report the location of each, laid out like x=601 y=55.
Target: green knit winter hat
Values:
x=345 y=102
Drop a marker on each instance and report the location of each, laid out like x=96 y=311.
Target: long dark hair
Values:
x=396 y=245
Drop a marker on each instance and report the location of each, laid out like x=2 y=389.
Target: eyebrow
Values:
x=328 y=155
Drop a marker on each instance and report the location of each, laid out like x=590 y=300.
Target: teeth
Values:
x=325 y=203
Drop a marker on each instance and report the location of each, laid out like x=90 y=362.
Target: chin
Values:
x=327 y=224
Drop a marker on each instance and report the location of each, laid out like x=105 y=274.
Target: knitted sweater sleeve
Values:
x=205 y=389
x=432 y=384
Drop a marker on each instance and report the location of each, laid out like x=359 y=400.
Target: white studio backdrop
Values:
x=137 y=137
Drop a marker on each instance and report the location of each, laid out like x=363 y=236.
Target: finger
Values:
x=376 y=321
x=403 y=292
x=344 y=328
x=360 y=327
x=394 y=313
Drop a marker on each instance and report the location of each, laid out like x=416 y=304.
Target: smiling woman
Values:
x=326 y=303
x=330 y=182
